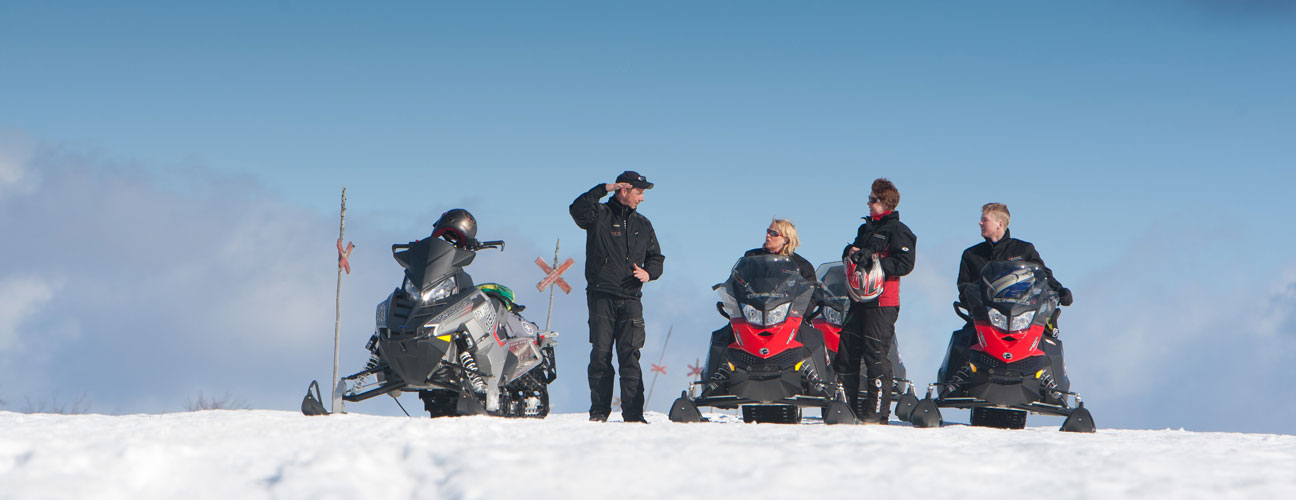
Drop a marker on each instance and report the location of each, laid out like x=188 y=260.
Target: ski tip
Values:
x=312 y=404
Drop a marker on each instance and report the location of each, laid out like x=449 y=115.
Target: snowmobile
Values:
x=1014 y=365
x=777 y=364
x=464 y=349
x=836 y=302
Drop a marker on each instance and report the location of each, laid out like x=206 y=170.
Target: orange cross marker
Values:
x=554 y=276
x=695 y=370
x=344 y=255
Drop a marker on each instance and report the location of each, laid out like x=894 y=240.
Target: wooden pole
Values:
x=336 y=404
x=549 y=316
x=660 y=359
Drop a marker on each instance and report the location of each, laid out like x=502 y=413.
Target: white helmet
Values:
x=861 y=285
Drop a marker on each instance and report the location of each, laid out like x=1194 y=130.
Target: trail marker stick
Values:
x=659 y=368
x=343 y=265
x=553 y=277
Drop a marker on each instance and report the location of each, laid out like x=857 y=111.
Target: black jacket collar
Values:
x=894 y=215
x=1007 y=236
x=619 y=208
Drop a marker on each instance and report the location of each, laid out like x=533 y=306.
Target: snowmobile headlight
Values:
x=777 y=314
x=1022 y=321
x=752 y=314
x=997 y=319
x=411 y=291
x=439 y=292
x=380 y=315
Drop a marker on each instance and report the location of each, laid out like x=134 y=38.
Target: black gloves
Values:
x=1064 y=297
x=862 y=258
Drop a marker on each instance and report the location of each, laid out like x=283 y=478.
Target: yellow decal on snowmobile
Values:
x=973 y=367
x=731 y=367
x=798 y=366
x=444 y=338
x=1039 y=374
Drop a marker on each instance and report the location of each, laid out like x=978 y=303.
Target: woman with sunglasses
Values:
x=780 y=239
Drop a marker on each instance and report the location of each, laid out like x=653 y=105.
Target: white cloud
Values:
x=16 y=150
x=193 y=282
x=1156 y=340
x=20 y=299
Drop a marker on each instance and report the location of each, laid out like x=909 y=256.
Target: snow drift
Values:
x=275 y=454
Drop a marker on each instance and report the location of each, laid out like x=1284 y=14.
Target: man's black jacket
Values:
x=807 y=270
x=1008 y=248
x=616 y=236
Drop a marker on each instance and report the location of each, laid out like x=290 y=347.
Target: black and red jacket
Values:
x=895 y=245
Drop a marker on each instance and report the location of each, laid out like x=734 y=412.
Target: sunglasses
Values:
x=874 y=199
x=772 y=233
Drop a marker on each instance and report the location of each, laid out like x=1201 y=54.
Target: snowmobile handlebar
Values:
x=472 y=245
x=482 y=245
x=959 y=309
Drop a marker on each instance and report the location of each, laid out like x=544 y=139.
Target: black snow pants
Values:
x=866 y=336
x=615 y=323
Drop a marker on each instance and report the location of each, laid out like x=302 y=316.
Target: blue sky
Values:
x=169 y=176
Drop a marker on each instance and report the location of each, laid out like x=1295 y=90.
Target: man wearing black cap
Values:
x=621 y=254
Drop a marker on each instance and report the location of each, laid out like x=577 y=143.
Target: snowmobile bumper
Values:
x=411 y=357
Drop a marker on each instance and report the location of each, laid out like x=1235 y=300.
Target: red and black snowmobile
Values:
x=1008 y=361
x=777 y=363
x=836 y=301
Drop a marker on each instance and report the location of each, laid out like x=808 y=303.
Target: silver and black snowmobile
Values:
x=464 y=349
x=1007 y=361
x=777 y=363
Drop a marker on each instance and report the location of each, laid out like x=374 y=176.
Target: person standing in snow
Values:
x=621 y=254
x=869 y=327
x=998 y=245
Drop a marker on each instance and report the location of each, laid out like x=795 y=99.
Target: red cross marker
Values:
x=695 y=370
x=659 y=369
x=344 y=255
x=554 y=276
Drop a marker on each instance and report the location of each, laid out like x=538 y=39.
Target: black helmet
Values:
x=456 y=226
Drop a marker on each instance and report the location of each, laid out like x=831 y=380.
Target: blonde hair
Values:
x=999 y=210
x=785 y=228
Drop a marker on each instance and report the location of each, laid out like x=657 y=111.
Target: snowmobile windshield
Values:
x=766 y=290
x=833 y=277
x=430 y=260
x=1014 y=286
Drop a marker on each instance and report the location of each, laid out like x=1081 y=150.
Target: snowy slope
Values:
x=274 y=454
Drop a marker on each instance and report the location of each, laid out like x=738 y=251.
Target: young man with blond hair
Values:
x=999 y=245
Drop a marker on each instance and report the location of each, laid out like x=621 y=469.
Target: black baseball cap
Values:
x=634 y=179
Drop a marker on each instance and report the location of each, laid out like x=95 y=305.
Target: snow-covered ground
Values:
x=276 y=454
